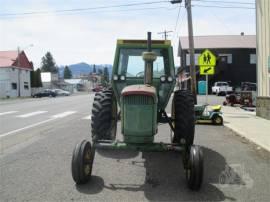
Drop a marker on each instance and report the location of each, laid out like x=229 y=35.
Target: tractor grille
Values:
x=138 y=100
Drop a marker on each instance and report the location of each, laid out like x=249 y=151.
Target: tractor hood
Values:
x=146 y=90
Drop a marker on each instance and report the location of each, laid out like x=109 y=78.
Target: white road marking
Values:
x=9 y=112
x=31 y=114
x=61 y=115
x=87 y=117
x=24 y=128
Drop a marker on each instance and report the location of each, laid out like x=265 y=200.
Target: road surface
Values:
x=37 y=138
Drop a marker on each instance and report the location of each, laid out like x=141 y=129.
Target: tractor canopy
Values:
x=129 y=68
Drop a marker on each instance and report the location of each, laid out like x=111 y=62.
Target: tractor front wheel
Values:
x=82 y=162
x=104 y=116
x=194 y=168
x=183 y=118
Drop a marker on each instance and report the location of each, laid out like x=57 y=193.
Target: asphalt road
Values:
x=37 y=138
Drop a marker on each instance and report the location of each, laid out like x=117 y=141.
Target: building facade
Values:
x=15 y=74
x=263 y=57
x=236 y=57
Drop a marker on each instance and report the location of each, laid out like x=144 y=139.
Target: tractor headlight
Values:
x=122 y=78
x=170 y=79
x=115 y=77
x=162 y=78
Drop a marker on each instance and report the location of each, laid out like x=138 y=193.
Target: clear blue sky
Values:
x=90 y=35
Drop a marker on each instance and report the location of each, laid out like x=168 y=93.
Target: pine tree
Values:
x=33 y=79
x=106 y=74
x=67 y=73
x=100 y=72
x=38 y=78
x=48 y=63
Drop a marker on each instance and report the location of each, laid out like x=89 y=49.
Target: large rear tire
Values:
x=104 y=116
x=183 y=117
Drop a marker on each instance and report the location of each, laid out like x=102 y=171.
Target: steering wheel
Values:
x=138 y=74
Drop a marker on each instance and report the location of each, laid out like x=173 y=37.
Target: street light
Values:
x=19 y=70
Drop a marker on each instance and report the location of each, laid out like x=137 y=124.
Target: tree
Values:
x=36 y=79
x=67 y=73
x=100 y=72
x=48 y=63
x=94 y=69
x=106 y=74
x=33 y=79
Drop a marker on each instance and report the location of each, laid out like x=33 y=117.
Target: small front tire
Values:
x=82 y=162
x=194 y=169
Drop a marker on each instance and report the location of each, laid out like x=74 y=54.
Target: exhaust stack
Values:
x=149 y=57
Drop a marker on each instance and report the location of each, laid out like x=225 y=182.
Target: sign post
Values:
x=207 y=62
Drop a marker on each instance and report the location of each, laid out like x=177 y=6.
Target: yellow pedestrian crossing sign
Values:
x=207 y=58
x=207 y=70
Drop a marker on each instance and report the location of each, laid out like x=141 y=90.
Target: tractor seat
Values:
x=216 y=107
x=140 y=90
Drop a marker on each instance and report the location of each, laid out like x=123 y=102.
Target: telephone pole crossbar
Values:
x=165 y=34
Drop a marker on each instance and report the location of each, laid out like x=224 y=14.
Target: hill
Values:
x=83 y=68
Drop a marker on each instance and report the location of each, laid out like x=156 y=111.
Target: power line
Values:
x=227 y=2
x=209 y=6
x=179 y=28
x=176 y=23
x=107 y=11
x=81 y=9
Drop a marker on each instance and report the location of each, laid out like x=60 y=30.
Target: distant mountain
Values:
x=83 y=68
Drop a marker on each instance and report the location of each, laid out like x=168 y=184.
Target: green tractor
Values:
x=143 y=79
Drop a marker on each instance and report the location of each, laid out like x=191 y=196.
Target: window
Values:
x=252 y=59
x=131 y=62
x=14 y=86
x=26 y=86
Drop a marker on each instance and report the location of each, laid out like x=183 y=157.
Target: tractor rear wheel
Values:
x=183 y=117
x=104 y=116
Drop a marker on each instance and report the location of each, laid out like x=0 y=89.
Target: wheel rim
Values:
x=218 y=120
x=87 y=162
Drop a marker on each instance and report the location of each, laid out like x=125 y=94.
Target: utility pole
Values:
x=192 y=67
x=165 y=33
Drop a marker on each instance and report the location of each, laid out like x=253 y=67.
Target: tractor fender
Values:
x=215 y=114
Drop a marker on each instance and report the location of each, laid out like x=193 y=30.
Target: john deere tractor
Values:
x=143 y=80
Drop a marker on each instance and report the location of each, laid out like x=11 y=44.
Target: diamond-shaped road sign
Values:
x=207 y=62
x=207 y=58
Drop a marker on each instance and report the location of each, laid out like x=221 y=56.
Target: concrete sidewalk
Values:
x=248 y=125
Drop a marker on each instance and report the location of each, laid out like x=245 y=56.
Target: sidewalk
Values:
x=248 y=125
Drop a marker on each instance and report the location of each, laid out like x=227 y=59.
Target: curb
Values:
x=241 y=134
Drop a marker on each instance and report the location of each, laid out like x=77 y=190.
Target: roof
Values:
x=10 y=59
x=220 y=41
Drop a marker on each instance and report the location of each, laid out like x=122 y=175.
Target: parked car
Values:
x=248 y=86
x=60 y=92
x=221 y=88
x=45 y=93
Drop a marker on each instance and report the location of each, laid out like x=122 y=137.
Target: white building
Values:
x=263 y=58
x=15 y=74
